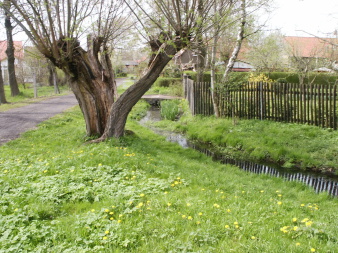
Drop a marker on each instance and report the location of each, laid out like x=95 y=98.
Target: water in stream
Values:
x=318 y=181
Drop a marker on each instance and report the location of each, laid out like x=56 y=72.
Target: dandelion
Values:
x=172 y=185
x=308 y=223
x=165 y=192
x=45 y=171
x=16 y=209
x=111 y=218
x=313 y=250
x=295 y=228
x=302 y=204
x=93 y=210
x=105 y=238
x=184 y=216
x=119 y=221
x=141 y=195
x=216 y=206
x=111 y=213
x=100 y=164
x=253 y=237
x=305 y=220
x=188 y=204
x=294 y=219
x=198 y=222
x=279 y=195
x=106 y=232
x=297 y=244
x=190 y=218
x=227 y=226
x=228 y=211
x=106 y=210
x=279 y=202
x=261 y=191
x=168 y=204
x=235 y=223
x=200 y=214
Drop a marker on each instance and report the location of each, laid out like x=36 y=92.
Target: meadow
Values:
x=143 y=194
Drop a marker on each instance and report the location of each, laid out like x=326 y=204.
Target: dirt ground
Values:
x=16 y=121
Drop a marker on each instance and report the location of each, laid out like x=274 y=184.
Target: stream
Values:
x=317 y=181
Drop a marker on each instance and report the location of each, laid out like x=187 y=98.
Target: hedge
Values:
x=290 y=77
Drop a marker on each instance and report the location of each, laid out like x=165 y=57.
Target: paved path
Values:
x=18 y=120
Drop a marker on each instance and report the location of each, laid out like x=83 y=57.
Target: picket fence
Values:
x=305 y=104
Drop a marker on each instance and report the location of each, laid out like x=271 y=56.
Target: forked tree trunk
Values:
x=123 y=105
x=2 y=90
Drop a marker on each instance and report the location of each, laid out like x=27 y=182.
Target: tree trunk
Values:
x=124 y=104
x=214 y=95
x=10 y=55
x=239 y=41
x=2 y=89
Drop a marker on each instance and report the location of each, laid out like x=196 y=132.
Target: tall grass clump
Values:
x=170 y=109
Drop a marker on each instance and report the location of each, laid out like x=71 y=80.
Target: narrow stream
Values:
x=318 y=181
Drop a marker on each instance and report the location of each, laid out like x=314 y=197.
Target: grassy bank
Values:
x=142 y=194
x=26 y=96
x=289 y=145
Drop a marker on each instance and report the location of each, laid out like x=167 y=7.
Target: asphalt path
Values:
x=18 y=120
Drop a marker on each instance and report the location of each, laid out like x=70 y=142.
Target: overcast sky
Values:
x=319 y=17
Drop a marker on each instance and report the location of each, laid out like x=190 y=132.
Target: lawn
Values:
x=143 y=194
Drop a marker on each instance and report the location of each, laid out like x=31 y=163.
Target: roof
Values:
x=18 y=49
x=310 y=46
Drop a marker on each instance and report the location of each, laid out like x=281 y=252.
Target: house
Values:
x=320 y=52
x=18 y=54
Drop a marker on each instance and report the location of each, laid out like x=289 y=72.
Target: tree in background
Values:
x=266 y=52
x=10 y=50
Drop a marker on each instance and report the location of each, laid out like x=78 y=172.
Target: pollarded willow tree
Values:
x=57 y=26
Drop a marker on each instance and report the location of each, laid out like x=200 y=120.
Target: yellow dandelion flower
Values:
x=216 y=205
x=93 y=210
x=227 y=226
x=119 y=221
x=236 y=226
x=100 y=164
x=279 y=202
x=165 y=192
x=253 y=237
x=45 y=171
x=106 y=210
x=111 y=218
x=105 y=238
x=141 y=195
x=308 y=223
x=184 y=216
x=305 y=220
x=111 y=213
x=261 y=191
x=188 y=204
x=120 y=215
x=228 y=210
x=172 y=185
x=313 y=250
x=106 y=232
x=168 y=204
x=295 y=228
x=294 y=219
x=200 y=213
x=235 y=223
x=198 y=222
x=190 y=218
x=297 y=244
x=302 y=204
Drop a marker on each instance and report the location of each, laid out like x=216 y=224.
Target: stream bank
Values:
x=318 y=181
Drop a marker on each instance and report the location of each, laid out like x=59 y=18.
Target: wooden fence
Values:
x=307 y=104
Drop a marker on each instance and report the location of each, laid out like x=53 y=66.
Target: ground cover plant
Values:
x=26 y=96
x=143 y=194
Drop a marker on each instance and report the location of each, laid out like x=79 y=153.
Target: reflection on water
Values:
x=319 y=182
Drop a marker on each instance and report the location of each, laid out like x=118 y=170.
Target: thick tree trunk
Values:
x=123 y=105
x=10 y=56
x=2 y=90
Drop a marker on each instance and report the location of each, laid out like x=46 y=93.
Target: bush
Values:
x=167 y=81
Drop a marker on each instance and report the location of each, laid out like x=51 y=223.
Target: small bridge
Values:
x=156 y=99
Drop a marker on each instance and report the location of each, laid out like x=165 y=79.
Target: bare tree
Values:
x=10 y=51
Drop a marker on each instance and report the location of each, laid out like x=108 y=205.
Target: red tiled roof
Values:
x=18 y=53
x=310 y=46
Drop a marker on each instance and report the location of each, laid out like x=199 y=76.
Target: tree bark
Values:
x=214 y=95
x=10 y=55
x=123 y=105
x=2 y=89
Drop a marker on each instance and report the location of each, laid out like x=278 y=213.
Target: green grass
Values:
x=289 y=145
x=143 y=194
x=26 y=96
